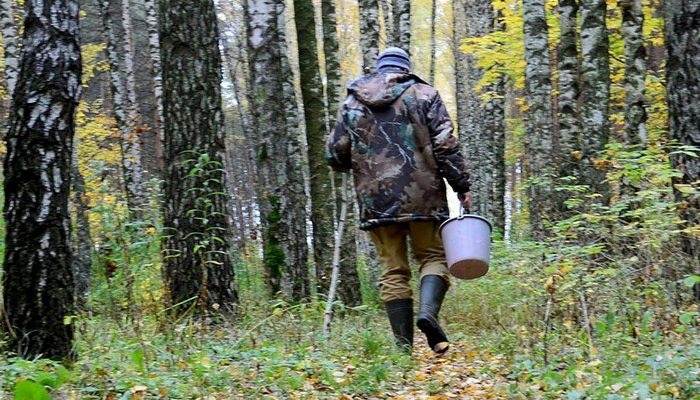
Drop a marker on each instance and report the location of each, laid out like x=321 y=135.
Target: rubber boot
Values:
x=432 y=293
x=400 y=314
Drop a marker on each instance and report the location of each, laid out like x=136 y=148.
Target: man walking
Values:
x=395 y=134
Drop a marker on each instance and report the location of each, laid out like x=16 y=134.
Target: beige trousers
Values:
x=426 y=243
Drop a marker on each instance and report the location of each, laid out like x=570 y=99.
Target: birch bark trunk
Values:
x=635 y=71
x=280 y=166
x=38 y=282
x=369 y=34
x=568 y=88
x=157 y=73
x=9 y=43
x=595 y=67
x=402 y=24
x=481 y=114
x=538 y=122
x=129 y=142
x=387 y=17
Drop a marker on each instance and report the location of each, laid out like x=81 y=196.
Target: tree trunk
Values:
x=467 y=76
x=82 y=259
x=322 y=196
x=385 y=6
x=635 y=71
x=38 y=282
x=596 y=93
x=538 y=122
x=683 y=93
x=132 y=113
x=334 y=89
x=197 y=246
x=129 y=141
x=496 y=127
x=9 y=43
x=481 y=121
x=280 y=167
x=568 y=90
x=369 y=34
x=402 y=24
x=350 y=295
x=157 y=73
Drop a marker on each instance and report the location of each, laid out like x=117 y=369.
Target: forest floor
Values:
x=501 y=348
x=464 y=372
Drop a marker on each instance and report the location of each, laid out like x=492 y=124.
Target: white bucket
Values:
x=467 y=241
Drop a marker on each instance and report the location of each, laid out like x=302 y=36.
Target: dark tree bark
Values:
x=538 y=122
x=322 y=196
x=198 y=243
x=635 y=71
x=595 y=66
x=82 y=258
x=683 y=93
x=38 y=281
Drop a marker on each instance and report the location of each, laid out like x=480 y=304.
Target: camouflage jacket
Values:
x=395 y=134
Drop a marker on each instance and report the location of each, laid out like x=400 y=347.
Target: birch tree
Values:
x=280 y=166
x=387 y=18
x=9 y=44
x=156 y=69
x=682 y=29
x=538 y=118
x=480 y=114
x=38 y=282
x=123 y=109
x=595 y=66
x=197 y=244
x=433 y=43
x=369 y=33
x=402 y=24
x=568 y=88
x=635 y=71
x=334 y=89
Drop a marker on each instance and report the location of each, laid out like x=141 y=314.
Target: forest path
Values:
x=464 y=372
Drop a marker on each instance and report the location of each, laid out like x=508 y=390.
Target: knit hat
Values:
x=393 y=57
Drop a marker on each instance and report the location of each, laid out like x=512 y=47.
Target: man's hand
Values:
x=466 y=200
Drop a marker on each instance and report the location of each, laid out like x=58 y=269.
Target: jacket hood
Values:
x=380 y=90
